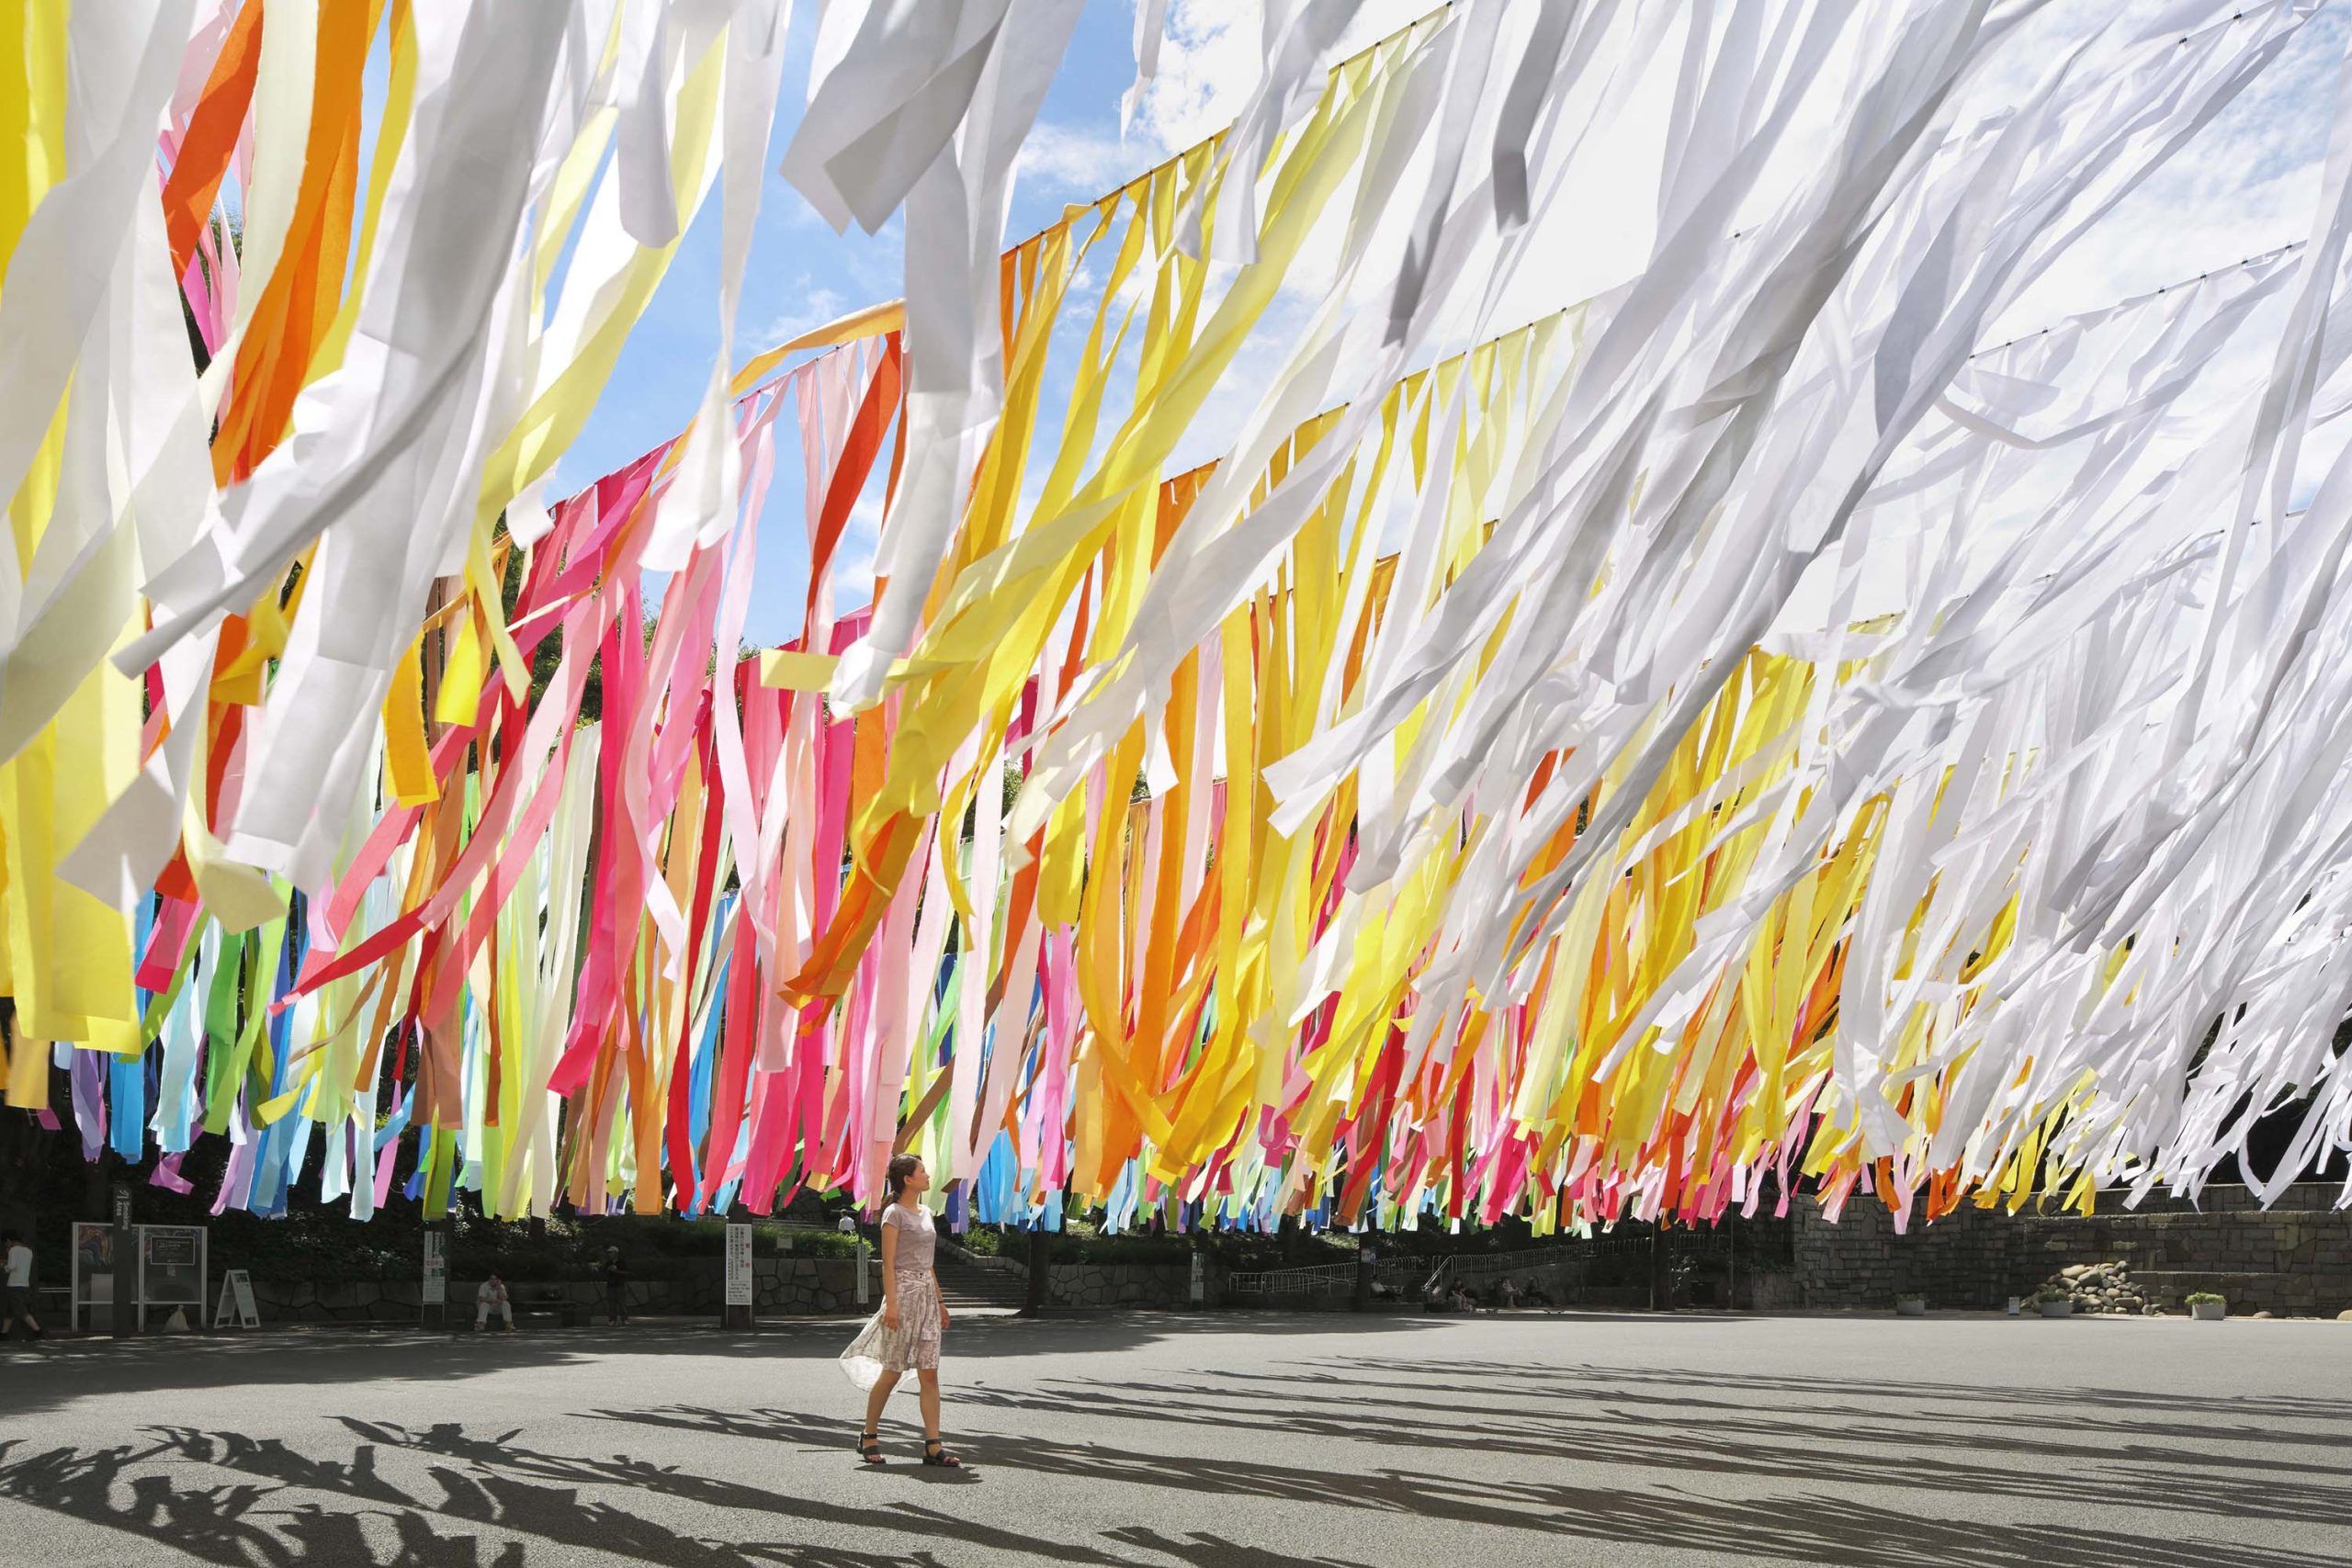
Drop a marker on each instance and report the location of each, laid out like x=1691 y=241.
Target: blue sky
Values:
x=802 y=274
x=2245 y=184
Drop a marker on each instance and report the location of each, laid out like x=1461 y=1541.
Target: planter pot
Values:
x=2208 y=1312
x=1910 y=1306
x=2057 y=1309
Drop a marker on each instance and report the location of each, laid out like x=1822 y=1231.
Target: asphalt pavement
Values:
x=1243 y=1438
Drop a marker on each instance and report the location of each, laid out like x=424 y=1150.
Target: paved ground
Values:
x=1256 y=1439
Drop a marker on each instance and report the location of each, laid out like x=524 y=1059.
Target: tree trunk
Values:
x=1661 y=1287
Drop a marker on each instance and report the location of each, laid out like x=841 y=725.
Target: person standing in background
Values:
x=615 y=1286
x=20 y=1265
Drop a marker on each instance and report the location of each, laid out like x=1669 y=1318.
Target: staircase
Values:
x=979 y=1288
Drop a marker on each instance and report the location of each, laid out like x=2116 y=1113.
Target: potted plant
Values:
x=2206 y=1307
x=1910 y=1303
x=2055 y=1302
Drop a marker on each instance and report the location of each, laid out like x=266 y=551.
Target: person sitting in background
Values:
x=492 y=1298
x=1463 y=1301
x=1506 y=1293
x=1533 y=1294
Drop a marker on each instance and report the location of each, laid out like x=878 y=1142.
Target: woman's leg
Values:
x=877 y=1396
x=927 y=1391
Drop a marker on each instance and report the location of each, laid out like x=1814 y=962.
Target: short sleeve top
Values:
x=915 y=1237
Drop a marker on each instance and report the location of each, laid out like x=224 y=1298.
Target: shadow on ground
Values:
x=75 y=1369
x=1663 y=1459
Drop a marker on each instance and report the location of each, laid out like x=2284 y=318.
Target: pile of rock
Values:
x=2099 y=1287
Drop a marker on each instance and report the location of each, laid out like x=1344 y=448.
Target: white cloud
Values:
x=854 y=556
x=1069 y=159
x=2246 y=183
x=1209 y=63
x=817 y=306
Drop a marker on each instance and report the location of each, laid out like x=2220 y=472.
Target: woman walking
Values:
x=904 y=1335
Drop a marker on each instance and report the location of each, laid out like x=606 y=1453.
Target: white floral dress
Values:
x=913 y=1346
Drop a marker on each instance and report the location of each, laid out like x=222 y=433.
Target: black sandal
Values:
x=869 y=1448
x=933 y=1454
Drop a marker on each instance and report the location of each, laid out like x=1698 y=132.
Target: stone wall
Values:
x=2295 y=1256
x=783 y=1287
x=1120 y=1284
x=806 y=1287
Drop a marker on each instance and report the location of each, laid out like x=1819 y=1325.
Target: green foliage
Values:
x=805 y=1244
x=2054 y=1294
x=2205 y=1298
x=285 y=1252
x=1068 y=1249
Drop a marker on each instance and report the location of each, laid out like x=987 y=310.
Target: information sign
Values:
x=739 y=1266
x=171 y=1268
x=236 y=1301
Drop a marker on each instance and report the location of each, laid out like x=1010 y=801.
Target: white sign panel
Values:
x=171 y=1269
x=739 y=1266
x=436 y=1267
x=94 y=1265
x=237 y=1298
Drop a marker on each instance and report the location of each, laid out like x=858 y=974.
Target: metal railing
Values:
x=1468 y=1266
x=1411 y=1279
x=1316 y=1280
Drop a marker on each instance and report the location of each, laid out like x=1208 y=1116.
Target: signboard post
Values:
x=864 y=1291
x=172 y=1267
x=115 y=1281
x=739 y=1277
x=94 y=1273
x=435 y=1294
x=237 y=1301
x=124 y=1276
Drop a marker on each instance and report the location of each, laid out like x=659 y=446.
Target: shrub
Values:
x=806 y=1243
x=2204 y=1298
x=1070 y=1249
x=2054 y=1293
